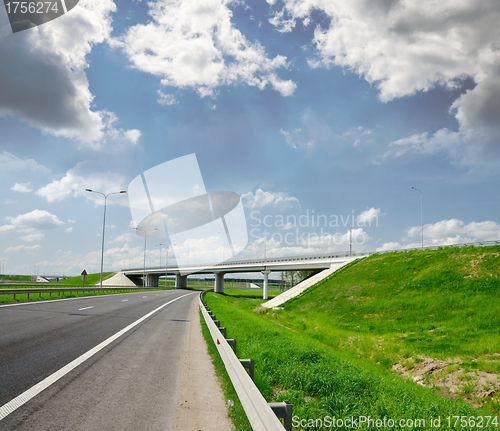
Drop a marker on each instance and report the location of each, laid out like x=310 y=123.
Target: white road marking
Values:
x=144 y=296
x=124 y=300
x=17 y=402
x=45 y=301
x=85 y=308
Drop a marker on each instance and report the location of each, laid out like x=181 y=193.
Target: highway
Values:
x=76 y=370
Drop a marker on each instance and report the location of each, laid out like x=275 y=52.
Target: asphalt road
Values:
x=129 y=384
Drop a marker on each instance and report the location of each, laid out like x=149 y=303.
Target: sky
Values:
x=320 y=114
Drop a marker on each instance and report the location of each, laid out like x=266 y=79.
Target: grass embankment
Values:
x=321 y=382
x=90 y=280
x=5 y=278
x=430 y=315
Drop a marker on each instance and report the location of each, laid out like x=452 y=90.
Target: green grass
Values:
x=332 y=349
x=251 y=293
x=42 y=296
x=236 y=412
x=319 y=380
x=91 y=279
x=5 y=278
x=439 y=303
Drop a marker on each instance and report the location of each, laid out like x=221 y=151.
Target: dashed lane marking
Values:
x=22 y=399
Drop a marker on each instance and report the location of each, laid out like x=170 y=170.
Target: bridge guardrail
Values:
x=258 y=411
x=319 y=256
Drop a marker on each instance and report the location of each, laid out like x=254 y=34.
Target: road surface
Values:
x=131 y=382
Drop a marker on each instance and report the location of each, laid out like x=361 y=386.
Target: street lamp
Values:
x=103 y=223
x=144 y=267
x=160 y=245
x=166 y=264
x=421 y=215
x=265 y=272
x=223 y=247
x=128 y=255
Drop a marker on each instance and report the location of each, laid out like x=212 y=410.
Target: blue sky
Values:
x=302 y=106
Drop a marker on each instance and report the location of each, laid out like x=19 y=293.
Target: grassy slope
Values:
x=439 y=303
x=320 y=381
x=92 y=279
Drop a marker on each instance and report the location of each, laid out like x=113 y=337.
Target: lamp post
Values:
x=265 y=272
x=128 y=255
x=144 y=267
x=160 y=245
x=166 y=264
x=421 y=215
x=103 y=223
x=223 y=247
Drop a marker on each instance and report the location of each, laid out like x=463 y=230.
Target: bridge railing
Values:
x=317 y=256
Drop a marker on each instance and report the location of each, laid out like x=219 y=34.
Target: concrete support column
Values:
x=152 y=280
x=219 y=282
x=266 y=275
x=181 y=281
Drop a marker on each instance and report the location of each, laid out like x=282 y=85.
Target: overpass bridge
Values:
x=291 y=263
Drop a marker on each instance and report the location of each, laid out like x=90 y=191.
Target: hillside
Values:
x=431 y=316
x=91 y=279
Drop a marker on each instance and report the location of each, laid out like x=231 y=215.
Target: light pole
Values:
x=265 y=272
x=160 y=245
x=224 y=247
x=128 y=255
x=421 y=215
x=144 y=267
x=103 y=223
x=350 y=243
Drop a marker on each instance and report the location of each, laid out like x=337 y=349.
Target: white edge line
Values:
x=45 y=301
x=27 y=395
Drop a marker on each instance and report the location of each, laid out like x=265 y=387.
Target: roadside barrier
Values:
x=50 y=290
x=263 y=416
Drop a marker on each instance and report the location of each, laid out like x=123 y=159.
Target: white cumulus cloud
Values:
x=43 y=78
x=32 y=222
x=22 y=248
x=262 y=199
x=193 y=43
x=85 y=175
x=411 y=46
x=368 y=216
x=447 y=232
x=22 y=187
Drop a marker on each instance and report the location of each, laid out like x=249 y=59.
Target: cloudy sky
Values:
x=325 y=109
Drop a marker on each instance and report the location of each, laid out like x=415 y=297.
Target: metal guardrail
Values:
x=31 y=291
x=258 y=411
x=318 y=256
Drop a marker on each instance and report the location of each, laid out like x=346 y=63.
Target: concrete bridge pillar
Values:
x=219 y=282
x=181 y=281
x=266 y=275
x=152 y=280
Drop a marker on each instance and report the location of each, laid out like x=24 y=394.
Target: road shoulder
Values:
x=200 y=404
